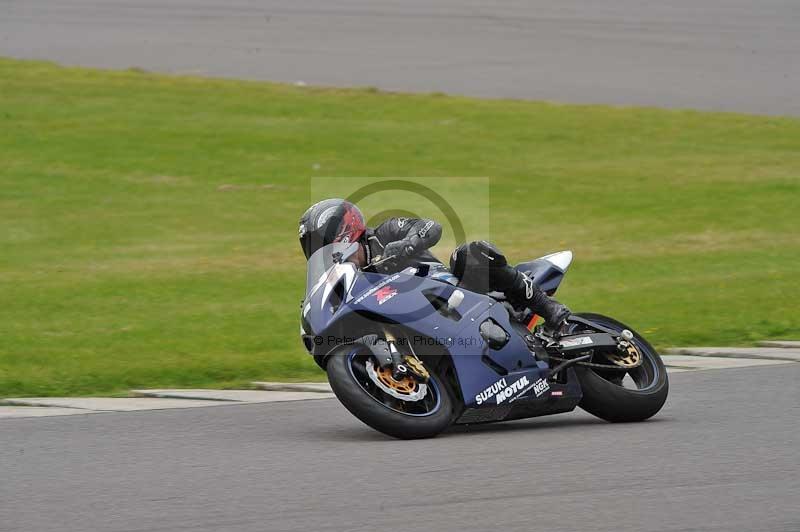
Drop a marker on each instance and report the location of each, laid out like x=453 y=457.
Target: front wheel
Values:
x=399 y=409
x=624 y=396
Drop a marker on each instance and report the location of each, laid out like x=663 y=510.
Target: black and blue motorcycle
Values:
x=410 y=355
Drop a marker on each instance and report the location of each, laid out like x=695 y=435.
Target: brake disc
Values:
x=405 y=389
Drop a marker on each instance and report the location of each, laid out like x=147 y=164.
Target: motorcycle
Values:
x=410 y=355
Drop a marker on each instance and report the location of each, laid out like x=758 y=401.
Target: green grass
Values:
x=148 y=223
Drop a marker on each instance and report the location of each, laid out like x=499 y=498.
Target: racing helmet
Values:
x=329 y=221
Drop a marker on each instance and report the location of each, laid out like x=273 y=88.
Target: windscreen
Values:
x=323 y=259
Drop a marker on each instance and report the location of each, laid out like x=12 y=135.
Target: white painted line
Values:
x=244 y=396
x=113 y=404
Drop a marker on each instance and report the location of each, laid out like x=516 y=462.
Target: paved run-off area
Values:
x=720 y=456
x=731 y=55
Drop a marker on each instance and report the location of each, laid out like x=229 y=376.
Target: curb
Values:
x=43 y=403
x=174 y=395
x=230 y=396
x=317 y=387
x=763 y=353
x=144 y=400
x=783 y=344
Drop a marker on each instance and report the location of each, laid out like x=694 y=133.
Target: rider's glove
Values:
x=399 y=249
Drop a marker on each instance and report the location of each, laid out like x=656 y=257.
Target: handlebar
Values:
x=380 y=260
x=409 y=251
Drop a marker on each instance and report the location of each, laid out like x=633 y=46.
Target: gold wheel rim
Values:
x=629 y=358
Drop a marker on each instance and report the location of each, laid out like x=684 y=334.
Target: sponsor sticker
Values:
x=540 y=386
x=516 y=388
x=375 y=288
x=556 y=393
x=581 y=340
x=503 y=392
x=384 y=294
x=489 y=392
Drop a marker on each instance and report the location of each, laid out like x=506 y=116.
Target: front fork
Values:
x=386 y=354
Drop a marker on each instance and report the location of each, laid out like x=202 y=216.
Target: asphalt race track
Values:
x=733 y=55
x=722 y=456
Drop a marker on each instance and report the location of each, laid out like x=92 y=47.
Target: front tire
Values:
x=354 y=395
x=603 y=393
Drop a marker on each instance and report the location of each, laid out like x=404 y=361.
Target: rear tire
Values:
x=613 y=402
x=380 y=416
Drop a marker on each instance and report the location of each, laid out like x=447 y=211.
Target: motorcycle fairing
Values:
x=548 y=271
x=406 y=299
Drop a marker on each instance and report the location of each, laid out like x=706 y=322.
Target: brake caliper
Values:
x=416 y=367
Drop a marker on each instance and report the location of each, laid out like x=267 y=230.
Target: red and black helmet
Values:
x=329 y=221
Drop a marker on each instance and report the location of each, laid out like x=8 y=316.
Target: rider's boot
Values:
x=482 y=267
x=523 y=292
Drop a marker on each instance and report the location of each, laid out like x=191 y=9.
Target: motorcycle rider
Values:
x=478 y=266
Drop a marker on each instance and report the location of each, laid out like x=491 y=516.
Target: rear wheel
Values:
x=405 y=409
x=624 y=395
